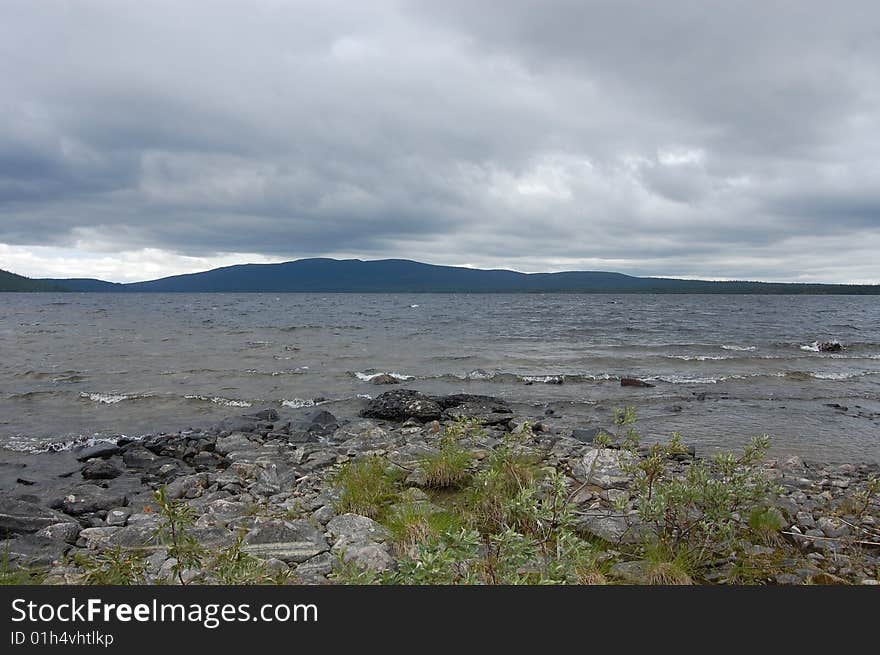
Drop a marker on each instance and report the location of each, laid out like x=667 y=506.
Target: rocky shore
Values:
x=268 y=483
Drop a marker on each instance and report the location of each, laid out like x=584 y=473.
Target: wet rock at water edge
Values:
x=634 y=382
x=829 y=346
x=312 y=425
x=402 y=404
x=384 y=378
x=98 y=450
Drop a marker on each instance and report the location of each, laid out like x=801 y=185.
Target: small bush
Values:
x=368 y=486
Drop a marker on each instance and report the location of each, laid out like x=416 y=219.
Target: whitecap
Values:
x=297 y=403
x=366 y=377
x=107 y=398
x=217 y=400
x=739 y=348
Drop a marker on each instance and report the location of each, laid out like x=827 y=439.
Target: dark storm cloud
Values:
x=683 y=138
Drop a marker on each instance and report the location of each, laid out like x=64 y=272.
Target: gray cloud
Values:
x=676 y=138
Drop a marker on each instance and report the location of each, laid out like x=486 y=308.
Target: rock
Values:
x=138 y=457
x=323 y=514
x=402 y=404
x=613 y=528
x=98 y=450
x=350 y=529
x=90 y=498
x=289 y=541
x=236 y=442
x=603 y=468
x=268 y=415
x=587 y=435
x=236 y=424
x=32 y=551
x=22 y=517
x=370 y=557
x=316 y=569
x=832 y=527
x=634 y=382
x=66 y=532
x=96 y=538
x=631 y=572
x=187 y=486
x=118 y=517
x=100 y=469
x=312 y=425
x=829 y=346
x=27 y=482
x=486 y=409
x=384 y=378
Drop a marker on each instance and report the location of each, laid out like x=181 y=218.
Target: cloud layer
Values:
x=683 y=138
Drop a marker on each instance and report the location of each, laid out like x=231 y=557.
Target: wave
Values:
x=218 y=400
x=739 y=348
x=33 y=446
x=367 y=377
x=298 y=403
x=113 y=398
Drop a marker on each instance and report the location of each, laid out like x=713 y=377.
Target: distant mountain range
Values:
x=13 y=282
x=404 y=276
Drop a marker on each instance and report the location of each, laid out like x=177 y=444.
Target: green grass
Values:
x=368 y=486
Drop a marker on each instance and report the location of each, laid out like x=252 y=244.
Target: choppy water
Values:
x=725 y=367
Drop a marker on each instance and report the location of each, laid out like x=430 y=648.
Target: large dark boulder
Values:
x=634 y=382
x=830 y=346
x=32 y=551
x=486 y=409
x=23 y=517
x=312 y=425
x=402 y=404
x=89 y=498
x=100 y=469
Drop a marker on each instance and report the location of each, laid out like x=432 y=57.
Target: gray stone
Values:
x=187 y=486
x=96 y=538
x=603 y=468
x=631 y=572
x=316 y=569
x=98 y=450
x=289 y=541
x=31 y=550
x=23 y=517
x=832 y=527
x=312 y=425
x=355 y=529
x=138 y=457
x=613 y=528
x=66 y=532
x=90 y=498
x=371 y=557
x=100 y=469
x=323 y=514
x=118 y=516
x=587 y=435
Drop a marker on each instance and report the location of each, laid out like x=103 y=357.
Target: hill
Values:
x=404 y=276
x=12 y=282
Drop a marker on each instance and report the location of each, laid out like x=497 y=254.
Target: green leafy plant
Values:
x=368 y=486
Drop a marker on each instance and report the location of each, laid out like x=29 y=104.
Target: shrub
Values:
x=368 y=486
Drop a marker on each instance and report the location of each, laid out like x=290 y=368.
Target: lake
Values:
x=725 y=368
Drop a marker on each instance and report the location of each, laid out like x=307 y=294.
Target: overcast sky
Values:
x=730 y=139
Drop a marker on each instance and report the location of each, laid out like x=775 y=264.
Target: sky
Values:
x=700 y=139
